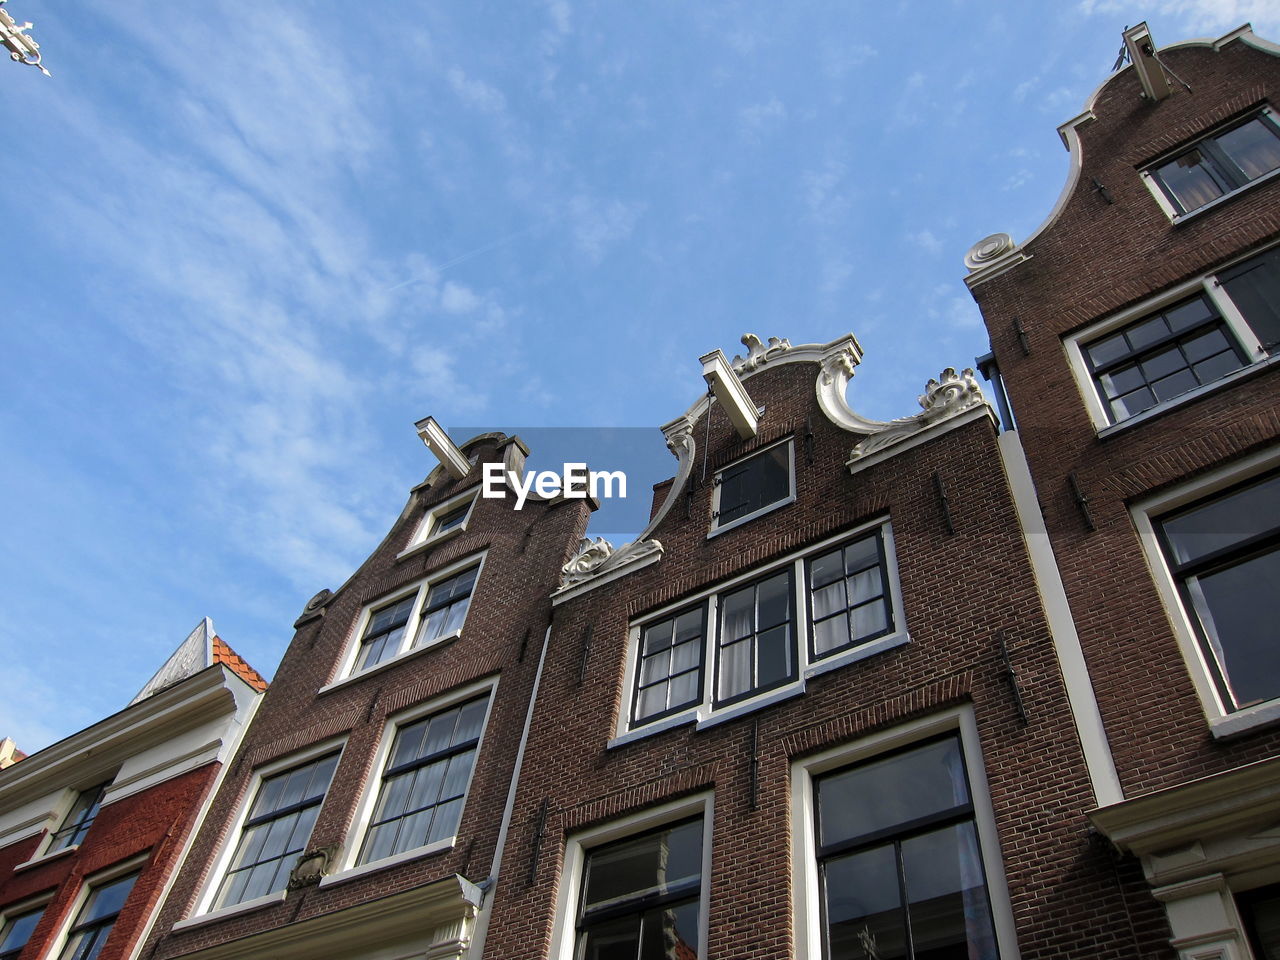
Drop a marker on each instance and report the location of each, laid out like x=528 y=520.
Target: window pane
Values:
x=828 y=600
x=1252 y=147
x=1225 y=521
x=735 y=669
x=827 y=568
x=754 y=483
x=106 y=900
x=665 y=861
x=869 y=620
x=688 y=626
x=830 y=634
x=947 y=895
x=1254 y=287
x=774 y=601
x=671 y=934
x=658 y=636
x=684 y=690
x=883 y=793
x=1174 y=386
x=685 y=656
x=1260 y=910
x=1107 y=350
x=17 y=931
x=773 y=656
x=737 y=614
x=616 y=940
x=652 y=700
x=1189 y=182
x=865 y=920
x=1240 y=622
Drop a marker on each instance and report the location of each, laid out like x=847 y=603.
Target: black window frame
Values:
x=97 y=930
x=1135 y=356
x=276 y=814
x=1219 y=166
x=10 y=923
x=368 y=639
x=718 y=702
x=1261 y=543
x=740 y=467
x=645 y=905
x=412 y=765
x=449 y=601
x=418 y=606
x=886 y=596
x=639 y=686
x=75 y=825
x=897 y=834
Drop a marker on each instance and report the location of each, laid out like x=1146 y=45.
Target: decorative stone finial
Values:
x=951 y=392
x=988 y=250
x=757 y=353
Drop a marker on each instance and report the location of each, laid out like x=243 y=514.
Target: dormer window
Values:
x=443 y=520
x=752 y=486
x=1218 y=165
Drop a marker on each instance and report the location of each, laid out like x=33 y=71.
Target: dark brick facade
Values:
x=1094 y=260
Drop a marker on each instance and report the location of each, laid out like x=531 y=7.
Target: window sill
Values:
x=1180 y=218
x=430 y=542
x=854 y=654
x=257 y=903
x=733 y=524
x=1160 y=409
x=46 y=858
x=397 y=659
x=1245 y=721
x=366 y=868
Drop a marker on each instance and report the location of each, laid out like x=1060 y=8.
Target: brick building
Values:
x=1136 y=332
x=93 y=828
x=924 y=688
x=366 y=808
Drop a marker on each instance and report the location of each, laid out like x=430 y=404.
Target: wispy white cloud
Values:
x=925 y=240
x=598 y=224
x=759 y=119
x=826 y=202
x=476 y=93
x=1205 y=16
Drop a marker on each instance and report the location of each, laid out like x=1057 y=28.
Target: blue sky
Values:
x=248 y=245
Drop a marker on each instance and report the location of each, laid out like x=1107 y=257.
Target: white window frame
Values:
x=87 y=886
x=1244 y=336
x=1223 y=722
x=704 y=712
x=348 y=866
x=719 y=528
x=421 y=589
x=231 y=840
x=564 y=926
x=1152 y=182
x=806 y=891
x=425 y=535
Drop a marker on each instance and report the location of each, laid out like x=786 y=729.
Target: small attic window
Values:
x=753 y=486
x=1218 y=165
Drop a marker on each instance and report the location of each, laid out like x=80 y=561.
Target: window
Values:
x=88 y=935
x=641 y=896
x=756 y=642
x=1219 y=552
x=846 y=605
x=1205 y=331
x=16 y=931
x=670 y=674
x=425 y=781
x=752 y=486
x=443 y=520
x=430 y=613
x=900 y=870
x=79 y=819
x=276 y=831
x=1219 y=164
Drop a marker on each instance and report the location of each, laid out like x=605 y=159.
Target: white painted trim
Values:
x=734 y=399
x=423 y=537
x=804 y=868
x=564 y=926
x=481 y=929
x=1075 y=343
x=719 y=528
x=222 y=860
x=1222 y=721
x=422 y=588
x=22 y=907
x=704 y=713
x=1094 y=745
x=244 y=906
x=44 y=858
x=404 y=856
x=446 y=451
x=87 y=886
x=373 y=782
x=924 y=435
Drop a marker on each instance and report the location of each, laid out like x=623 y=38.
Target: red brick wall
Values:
x=153 y=824
x=1094 y=260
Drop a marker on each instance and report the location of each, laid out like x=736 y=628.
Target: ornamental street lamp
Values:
x=21 y=47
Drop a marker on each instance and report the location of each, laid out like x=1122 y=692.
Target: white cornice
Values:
x=99 y=750
x=438 y=912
